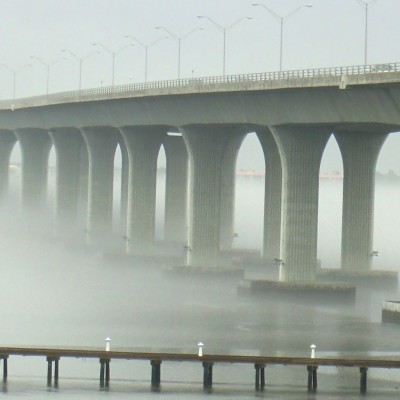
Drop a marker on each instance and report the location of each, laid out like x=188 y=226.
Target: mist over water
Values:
x=54 y=293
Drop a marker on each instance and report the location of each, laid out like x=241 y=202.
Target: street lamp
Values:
x=281 y=19
x=366 y=5
x=48 y=65
x=224 y=29
x=179 y=39
x=80 y=60
x=14 y=72
x=113 y=53
x=146 y=47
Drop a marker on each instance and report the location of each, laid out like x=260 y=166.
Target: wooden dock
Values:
x=53 y=356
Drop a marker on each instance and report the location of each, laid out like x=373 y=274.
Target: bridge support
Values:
x=301 y=149
x=228 y=183
x=104 y=372
x=176 y=188
x=360 y=150
x=124 y=186
x=143 y=145
x=207 y=375
x=101 y=144
x=272 y=196
x=206 y=146
x=312 y=378
x=260 y=376
x=155 y=374
x=7 y=142
x=67 y=143
x=35 y=146
x=50 y=361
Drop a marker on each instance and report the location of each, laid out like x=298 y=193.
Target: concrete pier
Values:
x=123 y=215
x=272 y=196
x=7 y=142
x=206 y=146
x=176 y=189
x=228 y=185
x=143 y=145
x=67 y=143
x=360 y=147
x=35 y=147
x=301 y=149
x=101 y=144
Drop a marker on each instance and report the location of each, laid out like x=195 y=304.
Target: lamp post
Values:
x=47 y=65
x=113 y=54
x=223 y=29
x=14 y=72
x=80 y=60
x=366 y=5
x=281 y=20
x=146 y=47
x=179 y=39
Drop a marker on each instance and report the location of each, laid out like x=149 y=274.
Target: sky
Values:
x=331 y=33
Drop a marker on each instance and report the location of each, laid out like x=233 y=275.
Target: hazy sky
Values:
x=331 y=33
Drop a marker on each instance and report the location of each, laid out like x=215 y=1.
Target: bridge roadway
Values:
x=53 y=355
x=292 y=112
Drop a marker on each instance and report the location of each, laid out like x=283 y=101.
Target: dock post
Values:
x=104 y=371
x=207 y=377
x=155 y=374
x=312 y=378
x=102 y=362
x=5 y=367
x=107 y=372
x=260 y=376
x=363 y=380
x=49 y=369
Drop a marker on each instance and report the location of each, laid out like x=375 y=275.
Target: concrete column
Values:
x=176 y=188
x=7 y=142
x=143 y=145
x=67 y=143
x=301 y=149
x=83 y=182
x=206 y=146
x=273 y=194
x=35 y=146
x=360 y=149
x=101 y=144
x=228 y=184
x=124 y=185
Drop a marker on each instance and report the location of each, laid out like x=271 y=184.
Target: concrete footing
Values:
x=391 y=311
x=386 y=279
x=309 y=291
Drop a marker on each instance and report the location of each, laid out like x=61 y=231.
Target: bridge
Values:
x=293 y=114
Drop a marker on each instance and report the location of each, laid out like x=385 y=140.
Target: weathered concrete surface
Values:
x=7 y=142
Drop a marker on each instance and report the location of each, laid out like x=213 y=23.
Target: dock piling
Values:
x=50 y=361
x=208 y=375
x=260 y=376
x=312 y=378
x=5 y=367
x=104 y=372
x=155 y=374
x=363 y=380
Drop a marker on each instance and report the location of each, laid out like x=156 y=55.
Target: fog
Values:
x=55 y=293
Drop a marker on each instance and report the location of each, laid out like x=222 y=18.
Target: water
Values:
x=57 y=294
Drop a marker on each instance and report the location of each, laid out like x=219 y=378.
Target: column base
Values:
x=391 y=311
x=384 y=279
x=305 y=291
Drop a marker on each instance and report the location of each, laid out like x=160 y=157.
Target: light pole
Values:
x=366 y=5
x=224 y=29
x=47 y=65
x=80 y=60
x=113 y=53
x=14 y=72
x=179 y=39
x=281 y=19
x=146 y=47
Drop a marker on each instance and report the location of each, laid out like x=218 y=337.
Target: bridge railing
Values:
x=198 y=83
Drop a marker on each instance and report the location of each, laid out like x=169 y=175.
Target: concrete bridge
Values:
x=293 y=113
